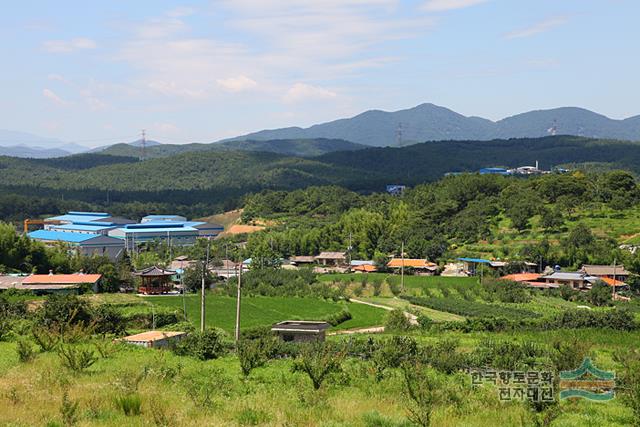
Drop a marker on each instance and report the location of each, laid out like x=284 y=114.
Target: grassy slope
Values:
x=259 y=311
x=274 y=393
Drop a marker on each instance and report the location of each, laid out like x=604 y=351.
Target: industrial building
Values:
x=100 y=233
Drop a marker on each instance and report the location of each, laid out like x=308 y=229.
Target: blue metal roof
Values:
x=88 y=213
x=77 y=218
x=61 y=236
x=164 y=230
x=162 y=216
x=81 y=227
x=155 y=225
x=477 y=260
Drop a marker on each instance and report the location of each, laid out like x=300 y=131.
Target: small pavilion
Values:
x=155 y=280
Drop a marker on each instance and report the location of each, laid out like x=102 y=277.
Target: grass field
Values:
x=31 y=393
x=260 y=311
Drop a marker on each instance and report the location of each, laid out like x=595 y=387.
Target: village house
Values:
x=419 y=266
x=336 y=259
x=606 y=271
x=576 y=280
x=41 y=284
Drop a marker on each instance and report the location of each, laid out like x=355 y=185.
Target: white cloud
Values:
x=537 y=28
x=304 y=92
x=180 y=12
x=51 y=95
x=237 y=84
x=68 y=46
x=444 y=5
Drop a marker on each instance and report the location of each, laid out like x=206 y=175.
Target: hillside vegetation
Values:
x=203 y=183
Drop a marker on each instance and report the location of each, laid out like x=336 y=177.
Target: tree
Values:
x=425 y=389
x=192 y=277
x=110 y=279
x=551 y=218
x=319 y=359
x=600 y=294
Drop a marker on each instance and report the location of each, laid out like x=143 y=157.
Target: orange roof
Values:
x=522 y=277
x=612 y=282
x=152 y=336
x=409 y=262
x=366 y=268
x=62 y=279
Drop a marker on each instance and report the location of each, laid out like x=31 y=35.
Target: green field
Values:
x=260 y=311
x=414 y=282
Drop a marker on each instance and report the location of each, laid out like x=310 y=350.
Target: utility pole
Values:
x=613 y=296
x=202 y=297
x=184 y=299
x=349 y=249
x=402 y=266
x=238 y=305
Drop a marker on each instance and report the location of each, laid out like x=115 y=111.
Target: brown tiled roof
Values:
x=604 y=270
x=61 y=279
x=155 y=271
x=331 y=255
x=412 y=263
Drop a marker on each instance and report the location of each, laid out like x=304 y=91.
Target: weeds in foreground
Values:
x=77 y=359
x=68 y=410
x=129 y=404
x=25 y=350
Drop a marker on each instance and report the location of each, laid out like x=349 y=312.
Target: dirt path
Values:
x=373 y=329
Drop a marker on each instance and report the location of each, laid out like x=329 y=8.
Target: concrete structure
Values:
x=155 y=339
x=303 y=260
x=301 y=330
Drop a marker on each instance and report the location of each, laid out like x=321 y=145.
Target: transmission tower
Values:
x=399 y=135
x=143 y=144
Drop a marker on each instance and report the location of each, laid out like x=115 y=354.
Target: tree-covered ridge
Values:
x=290 y=147
x=543 y=217
x=202 y=183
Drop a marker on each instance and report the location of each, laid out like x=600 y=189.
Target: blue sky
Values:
x=98 y=72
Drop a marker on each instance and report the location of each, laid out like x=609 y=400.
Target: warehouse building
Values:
x=83 y=243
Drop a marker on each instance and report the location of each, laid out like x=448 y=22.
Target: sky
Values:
x=98 y=72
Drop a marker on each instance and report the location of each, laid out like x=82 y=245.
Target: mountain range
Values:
x=425 y=122
x=429 y=122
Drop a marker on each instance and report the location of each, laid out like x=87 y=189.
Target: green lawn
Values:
x=259 y=311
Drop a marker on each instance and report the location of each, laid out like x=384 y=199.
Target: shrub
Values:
x=374 y=419
x=318 y=360
x=600 y=294
x=129 y=404
x=443 y=356
x=76 y=358
x=377 y=287
x=470 y=308
x=64 y=309
x=47 y=339
x=68 y=410
x=252 y=417
x=203 y=345
x=424 y=321
x=25 y=351
x=501 y=354
x=507 y=291
x=204 y=385
x=629 y=381
x=339 y=317
x=251 y=354
x=425 y=392
x=392 y=352
x=108 y=320
x=397 y=321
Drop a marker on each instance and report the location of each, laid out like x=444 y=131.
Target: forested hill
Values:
x=199 y=183
x=428 y=161
x=290 y=147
